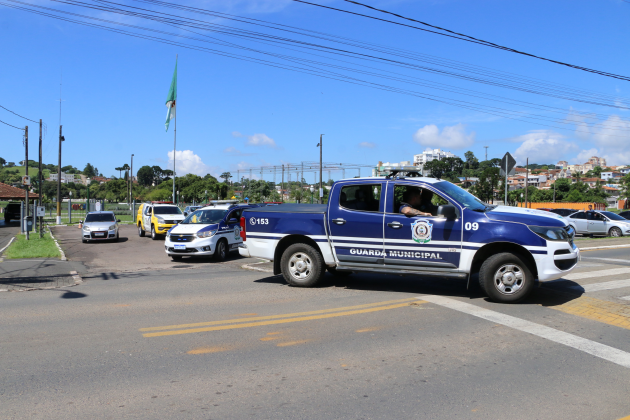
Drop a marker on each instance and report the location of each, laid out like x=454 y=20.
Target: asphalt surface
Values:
x=8 y=231
x=221 y=342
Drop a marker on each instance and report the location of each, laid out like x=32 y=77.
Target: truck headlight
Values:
x=206 y=234
x=160 y=220
x=550 y=233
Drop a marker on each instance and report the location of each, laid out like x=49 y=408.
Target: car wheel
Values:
x=117 y=237
x=154 y=235
x=140 y=230
x=505 y=278
x=615 y=232
x=176 y=257
x=338 y=273
x=220 y=253
x=302 y=265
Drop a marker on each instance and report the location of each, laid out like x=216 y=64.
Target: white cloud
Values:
x=187 y=162
x=234 y=151
x=236 y=134
x=543 y=146
x=367 y=144
x=611 y=139
x=585 y=155
x=261 y=140
x=451 y=137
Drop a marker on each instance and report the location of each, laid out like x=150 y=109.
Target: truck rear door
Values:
x=355 y=218
x=421 y=243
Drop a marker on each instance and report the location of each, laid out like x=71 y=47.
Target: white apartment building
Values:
x=65 y=178
x=429 y=155
x=611 y=175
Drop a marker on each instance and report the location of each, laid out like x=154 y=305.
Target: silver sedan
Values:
x=99 y=226
x=599 y=222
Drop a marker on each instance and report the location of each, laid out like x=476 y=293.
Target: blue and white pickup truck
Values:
x=361 y=229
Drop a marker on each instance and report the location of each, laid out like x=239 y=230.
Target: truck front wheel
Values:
x=506 y=278
x=302 y=265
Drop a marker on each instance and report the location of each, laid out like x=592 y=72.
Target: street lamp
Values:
x=312 y=190
x=177 y=197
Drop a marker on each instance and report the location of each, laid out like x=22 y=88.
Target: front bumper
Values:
x=94 y=235
x=561 y=258
x=204 y=246
x=162 y=229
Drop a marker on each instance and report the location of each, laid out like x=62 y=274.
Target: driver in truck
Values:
x=415 y=201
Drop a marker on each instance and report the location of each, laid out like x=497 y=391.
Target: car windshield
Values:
x=100 y=217
x=166 y=210
x=205 y=217
x=462 y=196
x=612 y=216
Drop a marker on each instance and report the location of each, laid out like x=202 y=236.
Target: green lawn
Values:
x=32 y=172
x=33 y=248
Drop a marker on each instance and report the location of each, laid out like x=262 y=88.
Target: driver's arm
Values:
x=410 y=212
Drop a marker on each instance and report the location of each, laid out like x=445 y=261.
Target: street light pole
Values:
x=61 y=138
x=321 y=191
x=131 y=181
x=312 y=189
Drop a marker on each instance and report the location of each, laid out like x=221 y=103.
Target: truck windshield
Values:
x=166 y=210
x=204 y=217
x=462 y=196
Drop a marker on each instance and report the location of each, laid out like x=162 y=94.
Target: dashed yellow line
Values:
x=598 y=310
x=260 y=318
x=279 y=321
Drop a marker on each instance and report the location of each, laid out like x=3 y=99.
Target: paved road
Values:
x=222 y=342
x=8 y=231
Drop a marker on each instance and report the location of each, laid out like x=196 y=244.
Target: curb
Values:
x=604 y=247
x=63 y=255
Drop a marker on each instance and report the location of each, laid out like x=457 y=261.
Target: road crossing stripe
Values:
x=261 y=318
x=596 y=273
x=607 y=259
x=625 y=298
x=608 y=285
x=277 y=321
x=600 y=350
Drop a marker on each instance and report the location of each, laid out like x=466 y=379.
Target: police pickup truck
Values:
x=362 y=229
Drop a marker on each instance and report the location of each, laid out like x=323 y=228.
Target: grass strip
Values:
x=33 y=248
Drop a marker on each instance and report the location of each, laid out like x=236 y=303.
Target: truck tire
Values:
x=338 y=273
x=220 y=252
x=154 y=235
x=140 y=230
x=505 y=278
x=302 y=265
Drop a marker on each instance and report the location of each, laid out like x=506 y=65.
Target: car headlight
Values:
x=550 y=233
x=160 y=220
x=206 y=234
x=112 y=227
x=86 y=228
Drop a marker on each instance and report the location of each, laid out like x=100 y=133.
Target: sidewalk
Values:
x=582 y=242
x=34 y=274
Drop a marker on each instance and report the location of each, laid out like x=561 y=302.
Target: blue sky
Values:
x=235 y=114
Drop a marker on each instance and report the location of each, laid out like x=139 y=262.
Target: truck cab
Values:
x=362 y=229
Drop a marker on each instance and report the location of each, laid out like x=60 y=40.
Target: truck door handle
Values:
x=395 y=225
x=339 y=221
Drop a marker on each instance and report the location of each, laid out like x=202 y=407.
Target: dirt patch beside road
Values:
x=130 y=253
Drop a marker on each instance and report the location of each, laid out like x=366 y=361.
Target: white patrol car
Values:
x=209 y=231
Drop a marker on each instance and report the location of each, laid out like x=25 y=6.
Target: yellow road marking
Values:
x=273 y=333
x=204 y=350
x=292 y=343
x=625 y=418
x=277 y=321
x=260 y=318
x=253 y=314
x=368 y=329
x=598 y=310
x=269 y=338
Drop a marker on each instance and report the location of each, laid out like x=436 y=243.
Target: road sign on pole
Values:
x=507 y=164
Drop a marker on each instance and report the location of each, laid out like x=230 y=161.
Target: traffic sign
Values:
x=26 y=180
x=509 y=161
x=41 y=211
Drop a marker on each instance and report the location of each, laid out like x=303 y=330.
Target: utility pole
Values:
x=131 y=182
x=282 y=185
x=526 y=180
x=486 y=147
x=61 y=138
x=41 y=231
x=321 y=191
x=26 y=173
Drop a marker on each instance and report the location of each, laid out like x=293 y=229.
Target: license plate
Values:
x=180 y=246
x=99 y=233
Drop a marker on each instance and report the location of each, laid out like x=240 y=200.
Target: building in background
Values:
x=429 y=155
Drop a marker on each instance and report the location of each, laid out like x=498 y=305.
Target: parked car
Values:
x=190 y=209
x=563 y=212
x=625 y=214
x=544 y=209
x=99 y=226
x=596 y=222
x=362 y=229
x=11 y=212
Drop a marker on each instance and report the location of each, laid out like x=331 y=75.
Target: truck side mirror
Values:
x=447 y=211
x=185 y=213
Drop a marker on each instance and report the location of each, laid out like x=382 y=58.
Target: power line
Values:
x=14 y=113
x=11 y=125
x=463 y=37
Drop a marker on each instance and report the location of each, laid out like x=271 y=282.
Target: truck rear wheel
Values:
x=140 y=230
x=302 y=265
x=506 y=278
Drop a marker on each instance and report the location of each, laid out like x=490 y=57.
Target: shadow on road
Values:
x=72 y=295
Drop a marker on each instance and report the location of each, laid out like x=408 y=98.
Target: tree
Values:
x=145 y=176
x=2 y=162
x=471 y=161
x=624 y=190
x=89 y=171
x=226 y=176
x=436 y=168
